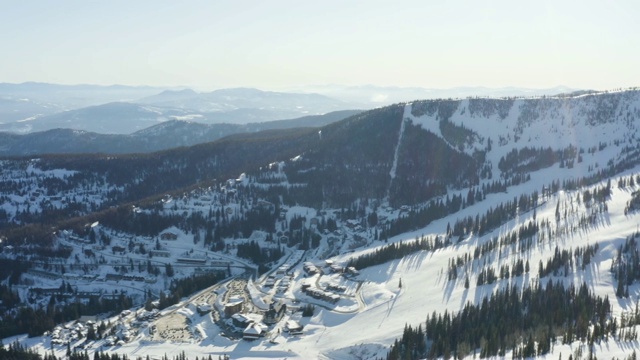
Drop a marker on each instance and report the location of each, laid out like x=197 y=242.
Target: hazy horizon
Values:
x=294 y=88
x=287 y=44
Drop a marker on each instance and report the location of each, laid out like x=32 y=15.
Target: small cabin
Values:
x=293 y=327
x=168 y=236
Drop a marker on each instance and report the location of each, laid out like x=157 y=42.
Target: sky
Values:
x=277 y=44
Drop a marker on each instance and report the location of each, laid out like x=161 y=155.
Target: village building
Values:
x=133 y=278
x=71 y=276
x=168 y=236
x=282 y=270
x=43 y=274
x=233 y=306
x=275 y=313
x=253 y=331
x=113 y=277
x=240 y=320
x=266 y=205
x=336 y=288
x=88 y=319
x=293 y=327
x=320 y=294
x=159 y=253
x=204 y=309
x=270 y=281
x=193 y=261
x=328 y=262
x=353 y=271
x=46 y=291
x=352 y=223
x=310 y=268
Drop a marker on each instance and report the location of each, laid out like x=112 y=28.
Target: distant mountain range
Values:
x=161 y=136
x=111 y=118
x=15 y=109
x=32 y=107
x=117 y=109
x=226 y=100
x=75 y=96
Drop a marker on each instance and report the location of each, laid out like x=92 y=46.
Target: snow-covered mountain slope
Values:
x=552 y=198
x=558 y=122
x=384 y=298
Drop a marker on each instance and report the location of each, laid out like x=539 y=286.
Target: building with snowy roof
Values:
x=253 y=331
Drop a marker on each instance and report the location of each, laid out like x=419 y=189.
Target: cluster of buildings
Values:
x=283 y=284
x=310 y=268
x=336 y=288
x=295 y=258
x=252 y=324
x=192 y=260
x=125 y=277
x=63 y=334
x=335 y=268
x=320 y=294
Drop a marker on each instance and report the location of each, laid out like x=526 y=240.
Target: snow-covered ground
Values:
x=366 y=328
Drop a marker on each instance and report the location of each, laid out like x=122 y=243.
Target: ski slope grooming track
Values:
x=392 y=172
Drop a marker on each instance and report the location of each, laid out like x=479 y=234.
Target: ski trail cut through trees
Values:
x=392 y=172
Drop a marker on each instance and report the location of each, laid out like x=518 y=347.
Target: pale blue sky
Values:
x=276 y=44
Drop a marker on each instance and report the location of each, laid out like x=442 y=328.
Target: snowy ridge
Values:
x=582 y=121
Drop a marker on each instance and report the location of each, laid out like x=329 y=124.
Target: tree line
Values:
x=526 y=322
x=397 y=251
x=34 y=322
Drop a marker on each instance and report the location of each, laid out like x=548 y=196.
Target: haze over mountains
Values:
x=33 y=107
x=164 y=135
x=385 y=95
